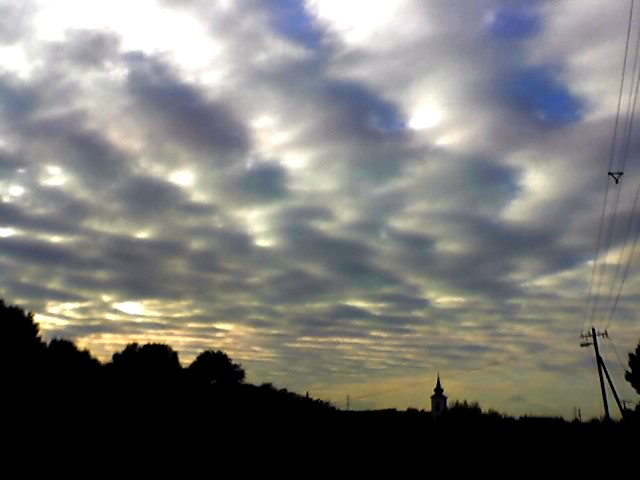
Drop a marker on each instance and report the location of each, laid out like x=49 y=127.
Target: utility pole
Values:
x=602 y=368
x=348 y=403
x=577 y=414
x=604 y=392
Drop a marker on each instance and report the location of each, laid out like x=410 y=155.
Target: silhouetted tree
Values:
x=152 y=363
x=633 y=374
x=215 y=367
x=464 y=411
x=73 y=378
x=67 y=362
x=22 y=348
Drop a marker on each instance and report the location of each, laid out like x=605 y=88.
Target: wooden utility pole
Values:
x=604 y=392
x=602 y=368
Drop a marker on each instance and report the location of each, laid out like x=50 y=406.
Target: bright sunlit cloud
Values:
x=54 y=176
x=14 y=59
x=130 y=308
x=355 y=20
x=450 y=302
x=425 y=118
x=184 y=178
x=16 y=190
x=264 y=121
x=164 y=30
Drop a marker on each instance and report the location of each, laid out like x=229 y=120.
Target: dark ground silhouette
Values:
x=56 y=392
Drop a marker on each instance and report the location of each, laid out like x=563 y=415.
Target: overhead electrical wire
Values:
x=629 y=259
x=615 y=351
x=612 y=155
x=608 y=314
x=624 y=152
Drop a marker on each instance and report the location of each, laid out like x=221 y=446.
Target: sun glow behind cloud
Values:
x=184 y=178
x=130 y=308
x=425 y=118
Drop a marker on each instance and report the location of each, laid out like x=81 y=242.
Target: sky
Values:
x=346 y=196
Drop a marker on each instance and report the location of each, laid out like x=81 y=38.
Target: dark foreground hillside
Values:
x=58 y=400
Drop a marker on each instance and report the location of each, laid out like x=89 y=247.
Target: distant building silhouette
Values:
x=438 y=400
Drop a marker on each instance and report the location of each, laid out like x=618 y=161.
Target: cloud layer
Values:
x=345 y=196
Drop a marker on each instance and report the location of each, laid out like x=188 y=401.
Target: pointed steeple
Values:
x=438 y=400
x=438 y=390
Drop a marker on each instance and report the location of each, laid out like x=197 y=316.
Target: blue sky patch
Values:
x=516 y=23
x=538 y=91
x=291 y=19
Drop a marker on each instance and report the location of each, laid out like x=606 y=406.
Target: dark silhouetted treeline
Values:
x=142 y=383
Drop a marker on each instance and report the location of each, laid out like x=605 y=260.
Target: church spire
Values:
x=438 y=390
x=438 y=400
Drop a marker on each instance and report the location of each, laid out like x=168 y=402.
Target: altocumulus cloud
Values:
x=338 y=194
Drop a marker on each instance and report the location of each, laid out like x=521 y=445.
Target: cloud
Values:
x=66 y=223
x=39 y=252
x=14 y=21
x=17 y=100
x=36 y=292
x=86 y=153
x=145 y=197
x=85 y=49
x=261 y=183
x=182 y=112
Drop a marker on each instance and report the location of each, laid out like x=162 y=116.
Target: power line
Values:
x=624 y=153
x=635 y=203
x=626 y=135
x=603 y=265
x=615 y=351
x=629 y=258
x=611 y=160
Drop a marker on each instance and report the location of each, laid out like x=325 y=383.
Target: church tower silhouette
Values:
x=438 y=400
